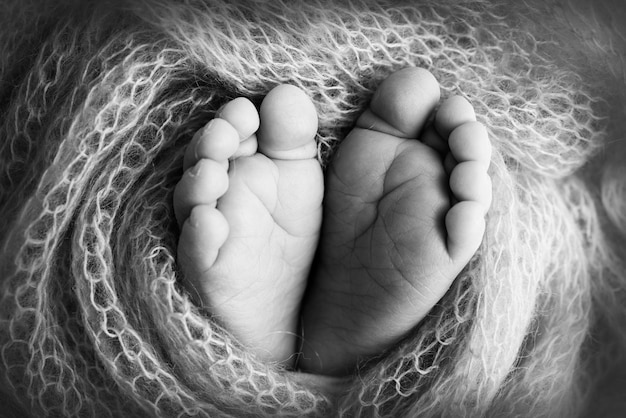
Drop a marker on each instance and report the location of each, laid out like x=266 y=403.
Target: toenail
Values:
x=205 y=131
x=196 y=169
x=193 y=219
x=208 y=126
x=219 y=111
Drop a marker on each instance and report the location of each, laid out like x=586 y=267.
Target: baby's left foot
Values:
x=403 y=214
x=250 y=220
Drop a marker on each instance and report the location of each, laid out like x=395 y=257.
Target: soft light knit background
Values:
x=97 y=101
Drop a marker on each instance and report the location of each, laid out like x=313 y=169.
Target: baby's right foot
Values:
x=403 y=214
x=249 y=232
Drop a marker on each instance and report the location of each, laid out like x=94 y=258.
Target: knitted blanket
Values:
x=99 y=99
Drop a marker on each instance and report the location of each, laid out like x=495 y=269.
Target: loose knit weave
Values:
x=97 y=103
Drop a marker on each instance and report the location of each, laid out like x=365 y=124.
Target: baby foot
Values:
x=402 y=217
x=249 y=231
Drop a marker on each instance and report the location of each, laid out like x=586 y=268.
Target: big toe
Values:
x=402 y=104
x=288 y=124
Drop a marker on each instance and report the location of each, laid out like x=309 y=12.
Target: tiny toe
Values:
x=288 y=124
x=247 y=147
x=217 y=140
x=402 y=104
x=470 y=182
x=202 y=235
x=242 y=115
x=454 y=112
x=202 y=184
x=470 y=142
x=465 y=225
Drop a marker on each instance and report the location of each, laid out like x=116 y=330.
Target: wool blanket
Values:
x=97 y=103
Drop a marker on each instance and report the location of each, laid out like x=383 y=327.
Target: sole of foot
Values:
x=404 y=212
x=249 y=207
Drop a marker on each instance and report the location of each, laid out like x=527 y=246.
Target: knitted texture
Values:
x=98 y=102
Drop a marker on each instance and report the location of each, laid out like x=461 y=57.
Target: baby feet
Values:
x=250 y=220
x=403 y=214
